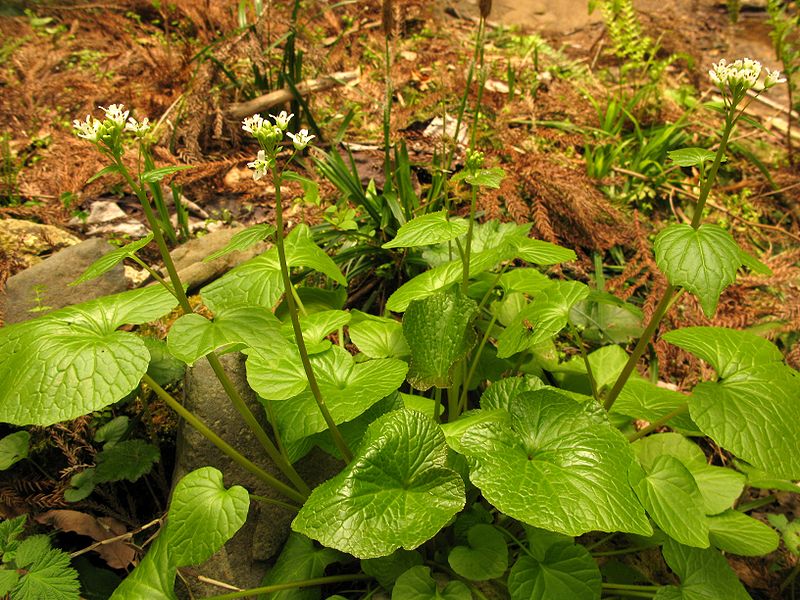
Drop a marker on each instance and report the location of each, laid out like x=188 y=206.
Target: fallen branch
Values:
x=240 y=110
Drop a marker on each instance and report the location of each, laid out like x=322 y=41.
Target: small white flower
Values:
x=137 y=127
x=116 y=113
x=301 y=139
x=773 y=78
x=260 y=165
x=253 y=124
x=88 y=129
x=282 y=120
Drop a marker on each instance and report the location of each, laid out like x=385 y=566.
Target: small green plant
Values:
x=470 y=449
x=31 y=568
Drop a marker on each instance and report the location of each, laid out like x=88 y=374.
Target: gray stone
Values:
x=45 y=286
x=244 y=559
x=27 y=241
x=104 y=212
x=188 y=258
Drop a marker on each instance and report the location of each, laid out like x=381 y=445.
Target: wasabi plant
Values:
x=469 y=448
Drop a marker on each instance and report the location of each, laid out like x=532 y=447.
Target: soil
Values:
x=166 y=61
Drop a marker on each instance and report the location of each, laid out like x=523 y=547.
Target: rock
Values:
x=243 y=560
x=104 y=212
x=132 y=229
x=27 y=241
x=44 y=286
x=188 y=258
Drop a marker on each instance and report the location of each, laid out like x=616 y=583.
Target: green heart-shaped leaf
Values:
x=704 y=574
x=719 y=486
x=702 y=260
x=691 y=157
x=671 y=496
x=753 y=410
x=348 y=388
x=397 y=491
x=538 y=252
x=417 y=584
x=642 y=399
x=378 y=337
x=74 y=361
x=558 y=465
x=193 y=336
x=485 y=558
x=202 y=516
x=566 y=570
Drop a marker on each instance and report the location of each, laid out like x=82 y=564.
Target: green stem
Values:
x=154 y=274
x=437 y=406
x=620 y=552
x=712 y=173
x=473 y=367
x=468 y=245
x=341 y=444
x=659 y=423
x=641 y=346
x=757 y=503
x=226 y=448
x=635 y=591
x=582 y=348
x=236 y=398
x=275 y=502
x=601 y=541
x=792 y=576
x=269 y=589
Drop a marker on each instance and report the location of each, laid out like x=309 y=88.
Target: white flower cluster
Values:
x=269 y=136
x=93 y=129
x=742 y=74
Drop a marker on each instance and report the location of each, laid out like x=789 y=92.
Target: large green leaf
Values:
x=316 y=326
x=543 y=318
x=378 y=337
x=439 y=332
x=500 y=393
x=433 y=228
x=566 y=570
x=558 y=465
x=754 y=409
x=641 y=399
x=74 y=361
x=397 y=491
x=193 y=336
x=719 y=486
x=202 y=516
x=486 y=557
x=348 y=388
x=727 y=350
x=417 y=584
x=704 y=574
x=671 y=496
x=258 y=281
x=300 y=559
x=275 y=370
x=110 y=260
x=737 y=533
x=702 y=260
x=691 y=157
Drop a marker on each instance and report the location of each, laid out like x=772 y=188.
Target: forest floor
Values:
x=189 y=66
